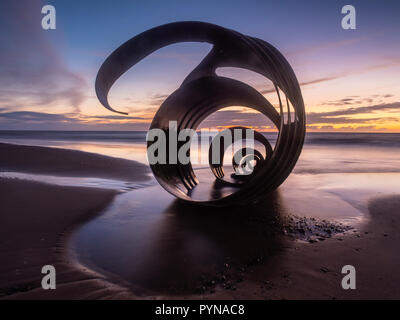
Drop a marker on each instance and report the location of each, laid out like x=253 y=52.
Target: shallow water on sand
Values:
x=118 y=185
x=152 y=241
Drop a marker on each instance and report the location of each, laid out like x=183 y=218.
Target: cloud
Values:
x=31 y=120
x=324 y=46
x=115 y=117
x=390 y=63
x=32 y=72
x=236 y=117
x=392 y=107
x=40 y=117
x=225 y=117
x=311 y=119
x=358 y=100
x=157 y=99
x=306 y=83
x=343 y=116
x=31 y=116
x=346 y=128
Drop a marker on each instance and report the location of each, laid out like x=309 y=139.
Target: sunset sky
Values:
x=350 y=79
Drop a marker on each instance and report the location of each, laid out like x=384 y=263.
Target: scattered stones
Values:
x=231 y=272
x=267 y=285
x=201 y=289
x=311 y=229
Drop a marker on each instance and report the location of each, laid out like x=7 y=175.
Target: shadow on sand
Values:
x=196 y=247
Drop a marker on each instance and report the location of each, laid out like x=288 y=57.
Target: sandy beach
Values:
x=313 y=270
x=37 y=219
x=70 y=163
x=267 y=253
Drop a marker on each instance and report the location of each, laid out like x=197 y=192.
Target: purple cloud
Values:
x=32 y=72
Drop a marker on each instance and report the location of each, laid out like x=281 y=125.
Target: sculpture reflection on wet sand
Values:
x=203 y=92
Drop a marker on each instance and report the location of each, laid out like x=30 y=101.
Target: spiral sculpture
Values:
x=203 y=92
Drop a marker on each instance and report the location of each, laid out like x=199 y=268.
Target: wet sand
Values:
x=36 y=220
x=171 y=247
x=313 y=270
x=262 y=258
x=69 y=163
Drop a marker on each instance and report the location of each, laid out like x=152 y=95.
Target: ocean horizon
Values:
x=363 y=138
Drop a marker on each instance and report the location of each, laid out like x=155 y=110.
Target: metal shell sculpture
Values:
x=203 y=92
